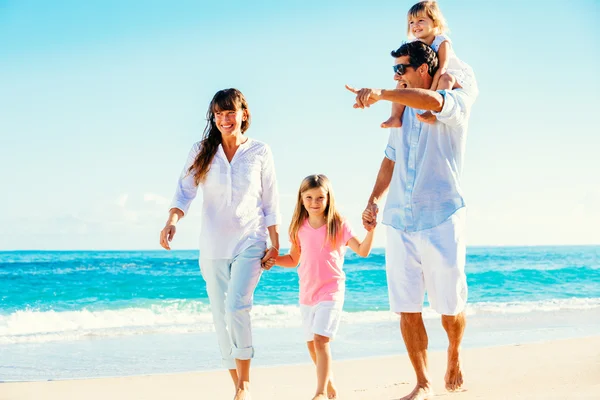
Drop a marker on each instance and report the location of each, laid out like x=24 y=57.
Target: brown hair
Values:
x=226 y=99
x=333 y=218
x=431 y=10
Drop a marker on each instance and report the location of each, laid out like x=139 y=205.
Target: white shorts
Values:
x=432 y=260
x=322 y=319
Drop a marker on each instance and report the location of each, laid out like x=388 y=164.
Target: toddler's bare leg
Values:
x=446 y=82
x=395 y=120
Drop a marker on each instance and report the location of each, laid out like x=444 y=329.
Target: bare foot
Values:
x=454 y=378
x=331 y=390
x=427 y=117
x=321 y=396
x=242 y=394
x=392 y=122
x=419 y=393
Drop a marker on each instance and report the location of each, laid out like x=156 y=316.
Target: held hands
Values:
x=365 y=97
x=268 y=260
x=369 y=216
x=166 y=235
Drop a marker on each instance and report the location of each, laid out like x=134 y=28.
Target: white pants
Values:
x=432 y=259
x=230 y=284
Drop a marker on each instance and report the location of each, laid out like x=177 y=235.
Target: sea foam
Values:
x=186 y=316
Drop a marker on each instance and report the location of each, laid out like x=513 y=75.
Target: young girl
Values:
x=427 y=24
x=319 y=237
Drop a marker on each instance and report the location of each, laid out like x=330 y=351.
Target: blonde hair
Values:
x=429 y=9
x=332 y=217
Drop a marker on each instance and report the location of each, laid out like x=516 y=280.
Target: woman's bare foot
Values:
x=392 y=122
x=419 y=393
x=454 y=378
x=320 y=396
x=331 y=390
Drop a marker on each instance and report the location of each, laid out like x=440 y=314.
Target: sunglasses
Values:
x=400 y=69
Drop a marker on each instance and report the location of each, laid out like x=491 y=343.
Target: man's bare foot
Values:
x=331 y=390
x=427 y=117
x=321 y=396
x=242 y=394
x=392 y=122
x=419 y=393
x=453 y=378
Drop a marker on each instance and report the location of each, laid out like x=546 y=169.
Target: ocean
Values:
x=80 y=314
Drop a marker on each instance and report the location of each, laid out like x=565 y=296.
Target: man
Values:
x=425 y=210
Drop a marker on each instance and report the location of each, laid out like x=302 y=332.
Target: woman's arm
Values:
x=186 y=189
x=363 y=248
x=270 y=205
x=274 y=236
x=273 y=251
x=168 y=232
x=185 y=193
x=270 y=194
x=443 y=61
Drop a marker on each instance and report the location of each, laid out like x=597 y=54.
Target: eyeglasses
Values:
x=400 y=69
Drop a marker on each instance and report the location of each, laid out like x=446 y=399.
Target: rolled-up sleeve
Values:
x=186 y=189
x=270 y=195
x=456 y=109
x=390 y=150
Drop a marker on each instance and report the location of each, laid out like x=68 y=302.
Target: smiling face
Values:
x=422 y=27
x=228 y=113
x=412 y=77
x=229 y=122
x=315 y=201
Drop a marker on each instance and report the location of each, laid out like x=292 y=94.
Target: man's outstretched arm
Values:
x=423 y=99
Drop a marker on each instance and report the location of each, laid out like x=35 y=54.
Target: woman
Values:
x=240 y=207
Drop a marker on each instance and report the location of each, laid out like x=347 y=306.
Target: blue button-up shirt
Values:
x=425 y=187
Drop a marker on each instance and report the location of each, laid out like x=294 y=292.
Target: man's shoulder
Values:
x=456 y=108
x=468 y=97
x=465 y=97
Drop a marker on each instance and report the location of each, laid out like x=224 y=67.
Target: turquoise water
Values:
x=98 y=301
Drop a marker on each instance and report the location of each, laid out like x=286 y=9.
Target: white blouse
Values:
x=240 y=199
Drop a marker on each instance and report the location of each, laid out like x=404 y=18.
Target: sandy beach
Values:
x=550 y=370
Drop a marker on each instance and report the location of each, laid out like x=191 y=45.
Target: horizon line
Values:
x=286 y=248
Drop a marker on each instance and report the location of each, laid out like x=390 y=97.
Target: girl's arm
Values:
x=443 y=61
x=289 y=260
x=362 y=248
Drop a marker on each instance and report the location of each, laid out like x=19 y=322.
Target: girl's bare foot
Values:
x=392 y=122
x=331 y=391
x=321 y=396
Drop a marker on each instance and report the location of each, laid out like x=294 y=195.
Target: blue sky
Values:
x=100 y=102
